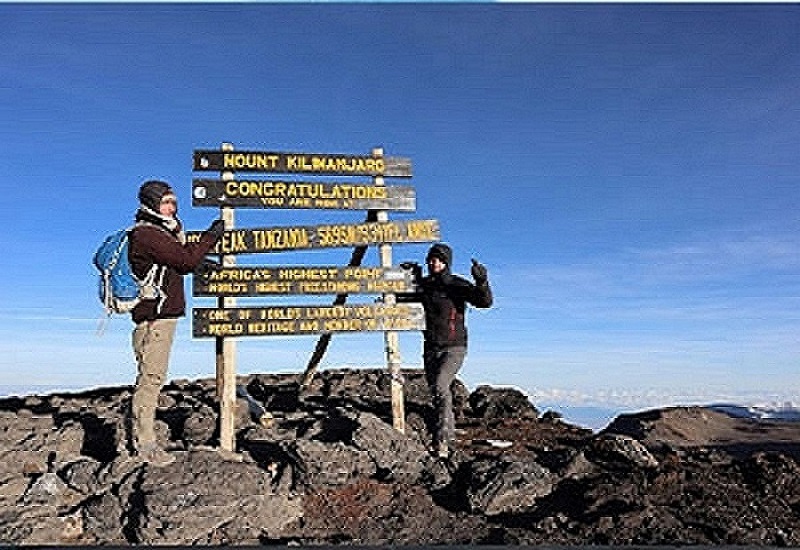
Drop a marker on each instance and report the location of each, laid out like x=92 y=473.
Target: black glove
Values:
x=479 y=272
x=415 y=268
x=217 y=228
x=206 y=267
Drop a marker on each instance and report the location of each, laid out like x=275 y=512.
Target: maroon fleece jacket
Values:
x=151 y=244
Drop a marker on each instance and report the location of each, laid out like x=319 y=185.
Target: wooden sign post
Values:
x=226 y=347
x=227 y=322
x=393 y=360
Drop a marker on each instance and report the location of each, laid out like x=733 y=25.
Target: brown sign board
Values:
x=308 y=237
x=290 y=280
x=300 y=163
x=294 y=320
x=299 y=194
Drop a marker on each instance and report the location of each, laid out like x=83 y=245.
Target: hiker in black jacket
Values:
x=444 y=297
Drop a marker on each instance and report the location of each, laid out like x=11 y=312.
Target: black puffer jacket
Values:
x=445 y=297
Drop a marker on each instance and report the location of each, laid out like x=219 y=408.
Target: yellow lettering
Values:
x=281 y=238
x=300 y=203
x=422 y=230
x=309 y=326
x=342 y=325
x=252 y=161
x=272 y=201
x=280 y=313
x=273 y=288
x=219 y=315
x=326 y=203
x=232 y=242
x=386 y=286
x=227 y=288
x=271 y=327
x=274 y=193
x=225 y=329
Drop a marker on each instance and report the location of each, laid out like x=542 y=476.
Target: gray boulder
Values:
x=613 y=450
x=317 y=463
x=491 y=403
x=507 y=487
x=200 y=426
x=203 y=499
x=397 y=457
x=348 y=444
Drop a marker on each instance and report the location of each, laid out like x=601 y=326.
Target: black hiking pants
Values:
x=441 y=367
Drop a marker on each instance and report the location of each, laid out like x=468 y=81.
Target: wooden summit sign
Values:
x=227 y=322
x=308 y=237
x=288 y=320
x=301 y=163
x=300 y=194
x=264 y=281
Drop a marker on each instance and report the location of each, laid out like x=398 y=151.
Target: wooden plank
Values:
x=301 y=194
x=292 y=280
x=295 y=320
x=300 y=163
x=308 y=237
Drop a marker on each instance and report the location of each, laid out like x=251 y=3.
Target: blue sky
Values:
x=628 y=173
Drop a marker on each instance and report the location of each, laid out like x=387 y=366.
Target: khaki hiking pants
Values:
x=152 y=343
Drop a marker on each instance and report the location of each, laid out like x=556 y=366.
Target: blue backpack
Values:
x=120 y=290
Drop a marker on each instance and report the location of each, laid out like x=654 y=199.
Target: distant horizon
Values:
x=587 y=412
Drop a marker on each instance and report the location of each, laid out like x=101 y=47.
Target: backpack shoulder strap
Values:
x=153 y=282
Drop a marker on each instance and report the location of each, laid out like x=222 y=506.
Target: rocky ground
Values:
x=330 y=469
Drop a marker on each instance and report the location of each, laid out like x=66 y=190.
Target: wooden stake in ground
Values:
x=391 y=338
x=226 y=347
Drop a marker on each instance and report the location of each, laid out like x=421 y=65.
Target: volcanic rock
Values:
x=329 y=468
x=507 y=487
x=490 y=403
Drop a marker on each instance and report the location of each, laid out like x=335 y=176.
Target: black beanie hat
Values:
x=152 y=191
x=441 y=251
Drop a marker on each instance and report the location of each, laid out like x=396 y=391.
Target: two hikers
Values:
x=158 y=239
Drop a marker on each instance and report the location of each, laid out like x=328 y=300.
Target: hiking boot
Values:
x=156 y=457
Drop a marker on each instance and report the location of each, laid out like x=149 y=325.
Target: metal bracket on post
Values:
x=392 y=341
x=226 y=346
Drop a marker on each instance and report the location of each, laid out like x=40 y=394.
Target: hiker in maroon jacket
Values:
x=444 y=297
x=160 y=257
